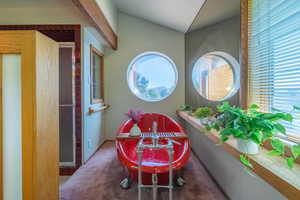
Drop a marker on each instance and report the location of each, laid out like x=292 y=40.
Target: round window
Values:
x=152 y=76
x=216 y=76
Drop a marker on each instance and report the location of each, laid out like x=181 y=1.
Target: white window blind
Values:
x=274 y=57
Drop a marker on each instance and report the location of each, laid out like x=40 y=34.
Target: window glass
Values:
x=152 y=76
x=213 y=76
x=274 y=73
x=96 y=76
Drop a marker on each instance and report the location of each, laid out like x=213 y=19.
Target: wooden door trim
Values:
x=101 y=55
x=1 y=131
x=244 y=54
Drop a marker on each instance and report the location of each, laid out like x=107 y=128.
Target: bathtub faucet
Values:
x=155 y=136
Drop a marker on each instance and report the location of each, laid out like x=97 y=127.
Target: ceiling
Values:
x=174 y=14
x=214 y=11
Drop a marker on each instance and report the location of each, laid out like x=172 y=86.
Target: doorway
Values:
x=71 y=157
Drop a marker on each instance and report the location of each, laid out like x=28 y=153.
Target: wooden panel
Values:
x=47 y=118
x=91 y=9
x=244 y=55
x=271 y=169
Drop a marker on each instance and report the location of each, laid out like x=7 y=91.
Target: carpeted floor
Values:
x=99 y=179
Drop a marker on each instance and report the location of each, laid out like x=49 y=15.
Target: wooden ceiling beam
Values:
x=96 y=15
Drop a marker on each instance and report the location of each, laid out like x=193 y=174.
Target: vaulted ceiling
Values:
x=175 y=14
x=214 y=11
x=180 y=15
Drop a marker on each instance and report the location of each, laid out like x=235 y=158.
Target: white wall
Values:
x=137 y=36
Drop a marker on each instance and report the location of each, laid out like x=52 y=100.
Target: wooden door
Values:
x=38 y=112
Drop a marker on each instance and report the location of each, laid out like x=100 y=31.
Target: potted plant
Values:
x=186 y=107
x=135 y=116
x=252 y=128
x=204 y=114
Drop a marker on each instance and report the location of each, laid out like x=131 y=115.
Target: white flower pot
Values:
x=206 y=120
x=203 y=121
x=247 y=146
x=135 y=130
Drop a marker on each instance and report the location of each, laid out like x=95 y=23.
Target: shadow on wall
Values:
x=223 y=36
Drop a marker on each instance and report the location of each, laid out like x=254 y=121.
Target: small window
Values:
x=216 y=76
x=152 y=76
x=96 y=76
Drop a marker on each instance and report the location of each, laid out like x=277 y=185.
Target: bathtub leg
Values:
x=140 y=182
x=171 y=155
x=180 y=182
x=154 y=183
x=125 y=183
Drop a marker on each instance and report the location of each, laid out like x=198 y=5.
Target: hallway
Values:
x=99 y=179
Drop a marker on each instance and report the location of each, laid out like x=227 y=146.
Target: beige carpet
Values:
x=99 y=179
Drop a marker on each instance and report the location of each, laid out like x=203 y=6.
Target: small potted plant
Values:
x=135 y=116
x=186 y=108
x=204 y=114
x=252 y=128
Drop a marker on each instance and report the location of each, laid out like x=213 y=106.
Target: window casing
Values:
x=152 y=76
x=96 y=77
x=274 y=58
x=207 y=72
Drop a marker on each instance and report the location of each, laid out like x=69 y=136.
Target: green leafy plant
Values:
x=203 y=112
x=253 y=125
x=185 y=108
x=279 y=149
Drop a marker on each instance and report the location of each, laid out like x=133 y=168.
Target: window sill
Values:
x=272 y=169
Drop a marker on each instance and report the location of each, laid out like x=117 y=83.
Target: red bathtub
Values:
x=153 y=161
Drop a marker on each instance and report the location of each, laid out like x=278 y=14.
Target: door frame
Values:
x=53 y=31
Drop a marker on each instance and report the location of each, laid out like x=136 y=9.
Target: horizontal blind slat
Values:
x=274 y=57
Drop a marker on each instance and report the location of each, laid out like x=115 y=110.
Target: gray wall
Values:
x=135 y=37
x=235 y=181
x=224 y=36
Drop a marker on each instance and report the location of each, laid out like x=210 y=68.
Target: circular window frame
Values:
x=136 y=58
x=235 y=66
